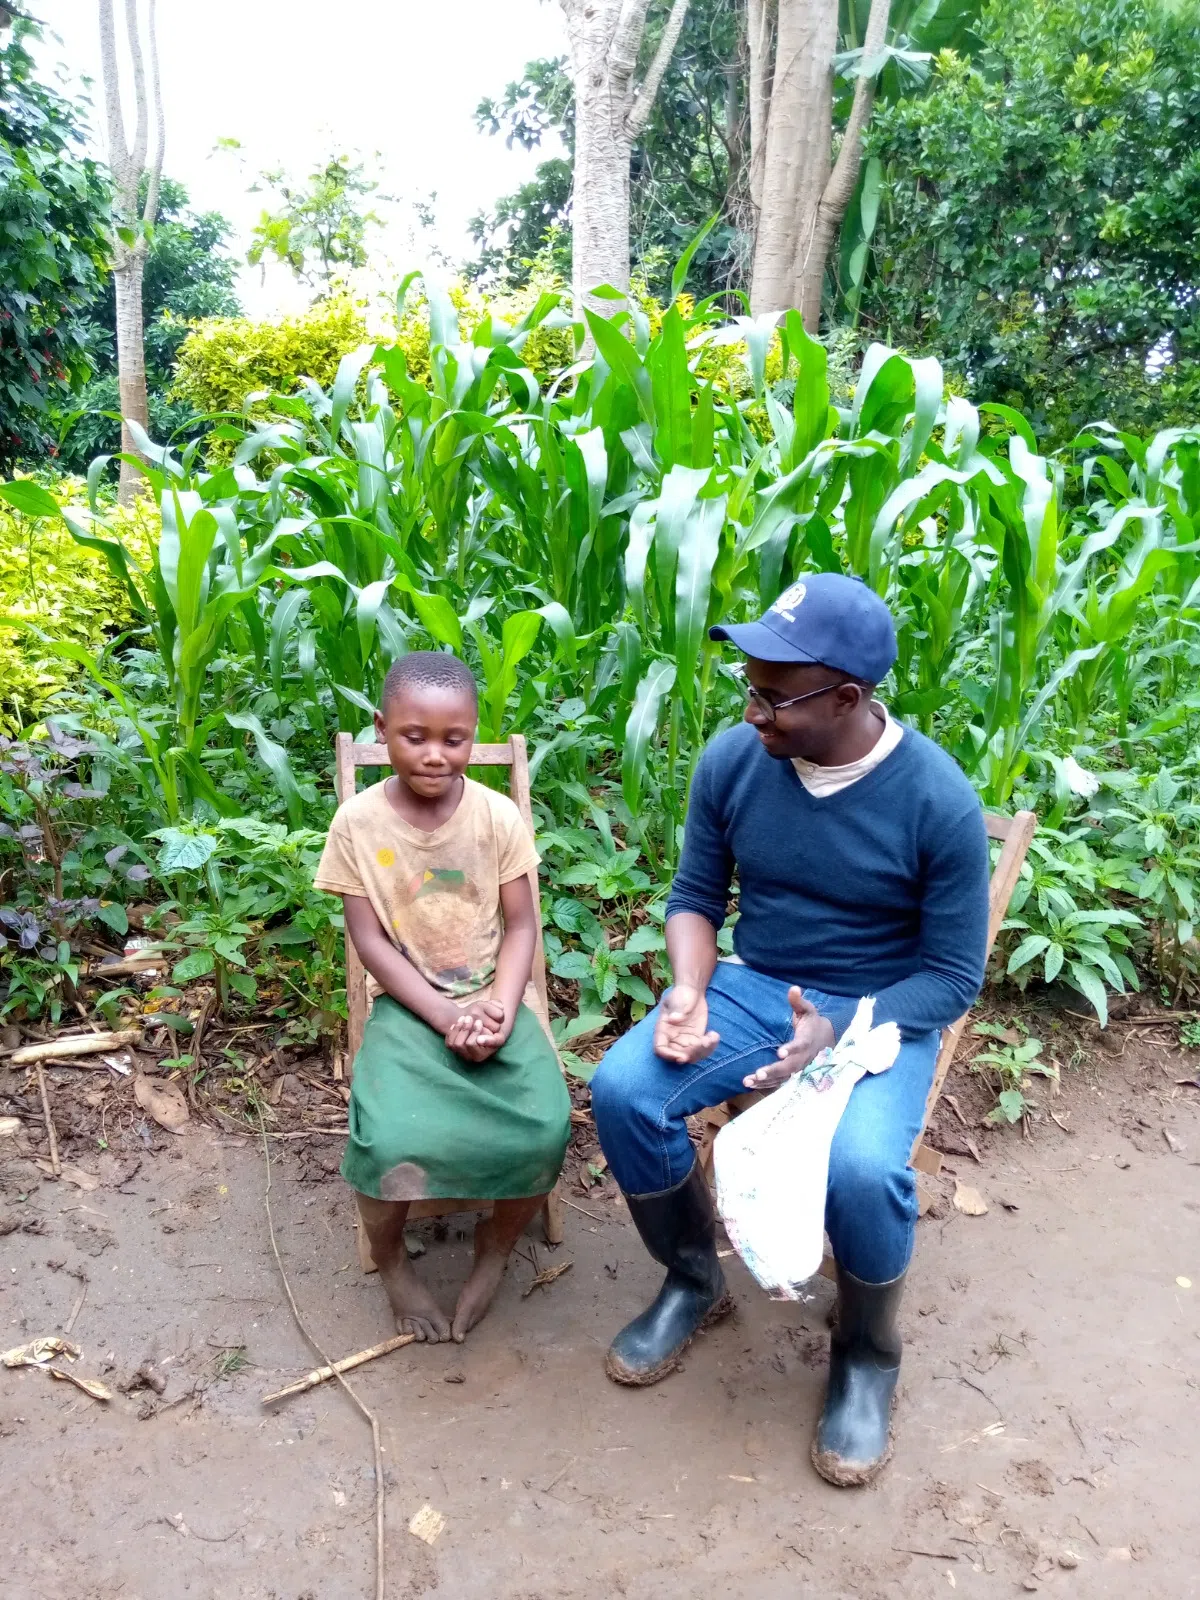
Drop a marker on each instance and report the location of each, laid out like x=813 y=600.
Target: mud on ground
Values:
x=1047 y=1419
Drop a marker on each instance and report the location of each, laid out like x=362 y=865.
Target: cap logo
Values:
x=791 y=597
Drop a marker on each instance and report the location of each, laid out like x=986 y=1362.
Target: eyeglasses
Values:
x=770 y=708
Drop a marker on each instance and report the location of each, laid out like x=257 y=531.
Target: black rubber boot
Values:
x=854 y=1436
x=679 y=1228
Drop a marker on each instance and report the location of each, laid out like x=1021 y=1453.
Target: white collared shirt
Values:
x=821 y=782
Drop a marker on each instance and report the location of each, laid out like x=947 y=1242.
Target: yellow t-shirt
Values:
x=436 y=894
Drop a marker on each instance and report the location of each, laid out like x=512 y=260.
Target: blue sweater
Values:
x=881 y=889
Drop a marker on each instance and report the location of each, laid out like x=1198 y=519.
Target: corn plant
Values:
x=575 y=542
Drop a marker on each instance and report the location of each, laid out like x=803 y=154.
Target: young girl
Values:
x=456 y=1091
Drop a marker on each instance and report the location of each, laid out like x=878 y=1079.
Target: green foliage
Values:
x=1038 y=217
x=67 y=591
x=1009 y=1065
x=691 y=159
x=689 y=162
x=225 y=359
x=574 y=539
x=53 y=250
x=187 y=275
x=318 y=228
x=1153 y=823
x=46 y=839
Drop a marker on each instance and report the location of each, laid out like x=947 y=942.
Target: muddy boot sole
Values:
x=642 y=1377
x=849 y=1475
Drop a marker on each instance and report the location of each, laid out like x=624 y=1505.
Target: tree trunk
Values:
x=610 y=111
x=128 y=167
x=796 y=152
x=760 y=52
x=600 y=193
x=831 y=208
x=799 y=201
x=131 y=366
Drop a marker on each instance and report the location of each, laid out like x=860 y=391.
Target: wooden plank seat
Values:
x=513 y=755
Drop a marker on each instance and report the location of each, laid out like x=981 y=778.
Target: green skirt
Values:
x=427 y=1125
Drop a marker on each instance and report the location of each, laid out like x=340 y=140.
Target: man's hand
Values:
x=681 y=1033
x=811 y=1033
x=478 y=1030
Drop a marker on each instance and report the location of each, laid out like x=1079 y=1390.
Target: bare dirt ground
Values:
x=1047 y=1423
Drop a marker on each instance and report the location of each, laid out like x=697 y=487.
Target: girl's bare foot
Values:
x=414 y=1308
x=494 y=1239
x=480 y=1288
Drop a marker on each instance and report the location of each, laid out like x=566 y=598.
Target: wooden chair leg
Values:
x=552 y=1217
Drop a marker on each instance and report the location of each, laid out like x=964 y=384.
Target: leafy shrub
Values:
x=224 y=359
x=53 y=246
x=1008 y=1065
x=63 y=588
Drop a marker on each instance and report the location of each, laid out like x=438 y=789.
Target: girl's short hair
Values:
x=428 y=669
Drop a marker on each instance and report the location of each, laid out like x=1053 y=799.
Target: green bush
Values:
x=224 y=359
x=63 y=588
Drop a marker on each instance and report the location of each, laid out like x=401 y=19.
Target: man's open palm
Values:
x=811 y=1033
x=681 y=1033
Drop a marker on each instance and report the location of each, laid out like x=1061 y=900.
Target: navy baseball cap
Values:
x=826 y=618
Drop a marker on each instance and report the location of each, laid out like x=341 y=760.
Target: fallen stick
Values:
x=1151 y=1021
x=593 y=1214
x=323 y=1374
x=546 y=1276
x=84 y=1044
x=77 y=1308
x=123 y=969
x=55 y=1163
x=364 y=1411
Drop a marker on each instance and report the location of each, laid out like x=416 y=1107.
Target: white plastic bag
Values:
x=772 y=1162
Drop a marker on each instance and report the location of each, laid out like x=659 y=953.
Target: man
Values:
x=862 y=869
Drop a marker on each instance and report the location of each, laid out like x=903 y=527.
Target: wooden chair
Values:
x=1014 y=833
x=512 y=754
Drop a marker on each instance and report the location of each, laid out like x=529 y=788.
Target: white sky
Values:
x=294 y=81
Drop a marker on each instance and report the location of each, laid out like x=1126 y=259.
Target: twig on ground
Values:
x=560 y=1473
x=935 y=1555
x=369 y=1415
x=1151 y=1021
x=84 y=1044
x=594 y=1215
x=55 y=1163
x=198 y=1032
x=305 y=1133
x=323 y=1374
x=323 y=1088
x=1075 y=1430
x=949 y=1378
x=545 y=1277
x=124 y=969
x=75 y=1310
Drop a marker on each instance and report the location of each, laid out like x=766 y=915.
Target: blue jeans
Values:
x=641 y=1103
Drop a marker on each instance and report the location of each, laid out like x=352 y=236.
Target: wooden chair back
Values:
x=512 y=754
x=1014 y=834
